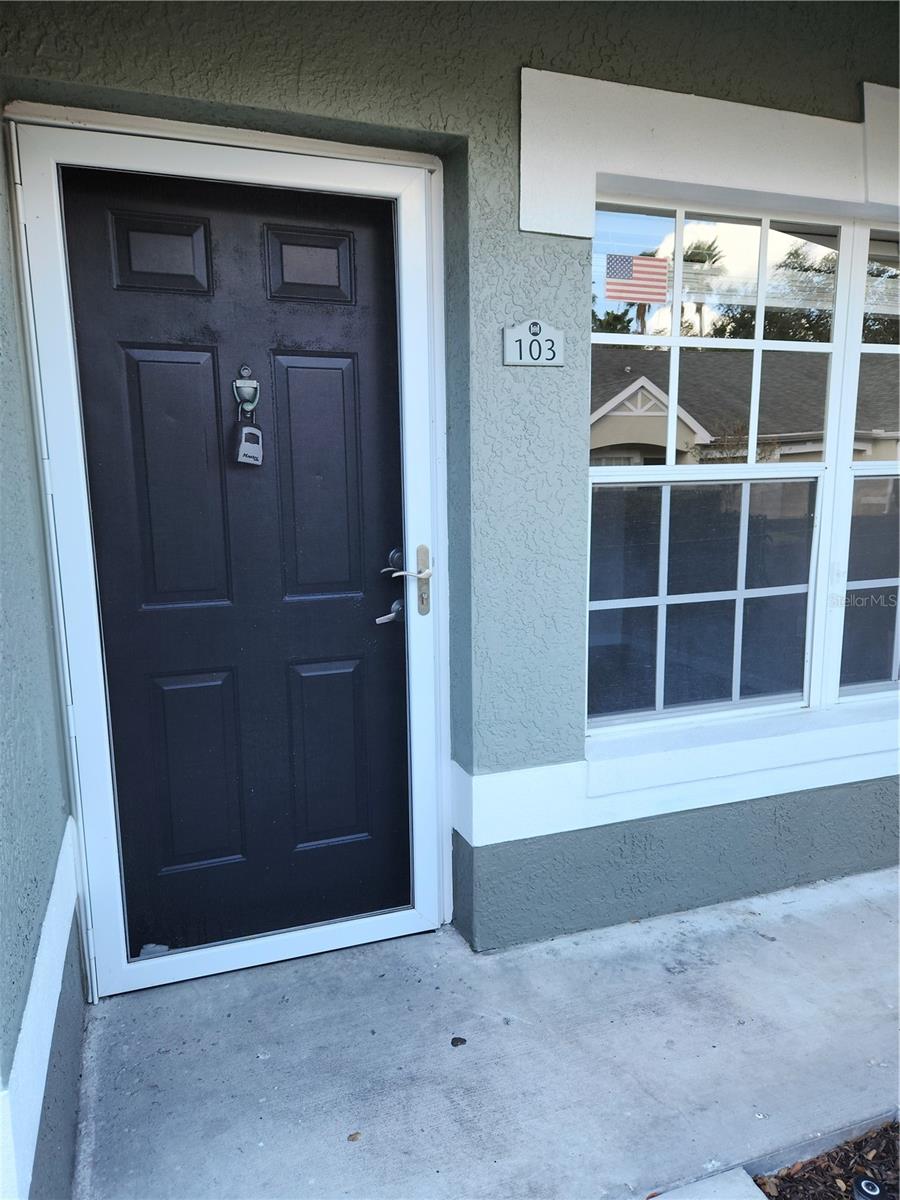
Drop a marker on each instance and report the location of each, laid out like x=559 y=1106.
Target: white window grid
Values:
x=861 y=469
x=834 y=474
x=871 y=585
x=857 y=584
x=741 y=592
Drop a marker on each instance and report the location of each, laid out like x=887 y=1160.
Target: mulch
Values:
x=831 y=1175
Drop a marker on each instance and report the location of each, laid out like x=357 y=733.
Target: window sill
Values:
x=654 y=767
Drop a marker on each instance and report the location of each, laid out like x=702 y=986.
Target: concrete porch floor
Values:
x=604 y=1064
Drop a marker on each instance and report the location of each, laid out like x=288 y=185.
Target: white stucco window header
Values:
x=580 y=136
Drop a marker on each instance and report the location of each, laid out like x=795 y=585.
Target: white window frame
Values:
x=886 y=469
x=42 y=139
x=744 y=473
x=618 y=764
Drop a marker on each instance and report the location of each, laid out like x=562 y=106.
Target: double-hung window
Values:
x=743 y=450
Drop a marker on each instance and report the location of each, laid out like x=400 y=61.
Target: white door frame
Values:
x=42 y=139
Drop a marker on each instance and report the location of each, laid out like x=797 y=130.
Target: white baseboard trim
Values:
x=22 y=1101
x=641 y=771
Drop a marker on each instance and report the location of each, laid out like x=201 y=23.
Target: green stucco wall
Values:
x=442 y=77
x=428 y=75
x=33 y=798
x=542 y=887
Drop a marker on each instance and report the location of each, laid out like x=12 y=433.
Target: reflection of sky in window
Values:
x=731 y=279
x=626 y=233
x=883 y=289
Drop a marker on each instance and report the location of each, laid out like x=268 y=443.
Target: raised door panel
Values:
x=308 y=264
x=317 y=414
x=198 y=780
x=177 y=443
x=328 y=752
x=160 y=254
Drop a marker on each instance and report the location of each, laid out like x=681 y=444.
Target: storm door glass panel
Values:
x=870 y=650
x=629 y=405
x=624 y=542
x=713 y=405
x=719 y=277
x=801 y=270
x=699 y=652
x=632 y=272
x=881 y=316
x=780 y=533
x=703 y=538
x=621 y=660
x=793 y=396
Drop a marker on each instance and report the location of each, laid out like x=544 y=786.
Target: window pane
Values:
x=773 y=645
x=629 y=405
x=779 y=534
x=621 y=660
x=870 y=621
x=793 y=392
x=881 y=320
x=874 y=546
x=624 y=542
x=703 y=538
x=713 y=405
x=802 y=264
x=631 y=295
x=877 y=404
x=721 y=265
x=699 y=652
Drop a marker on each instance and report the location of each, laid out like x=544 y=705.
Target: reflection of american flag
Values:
x=636 y=278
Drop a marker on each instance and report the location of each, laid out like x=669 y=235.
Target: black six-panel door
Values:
x=258 y=713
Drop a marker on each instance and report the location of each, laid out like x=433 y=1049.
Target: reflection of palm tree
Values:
x=610 y=322
x=788 y=317
x=707 y=252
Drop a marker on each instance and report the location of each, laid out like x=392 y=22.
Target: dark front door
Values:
x=258 y=713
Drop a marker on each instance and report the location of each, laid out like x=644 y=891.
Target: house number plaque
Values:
x=533 y=343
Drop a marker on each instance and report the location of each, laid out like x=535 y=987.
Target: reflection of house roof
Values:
x=714 y=386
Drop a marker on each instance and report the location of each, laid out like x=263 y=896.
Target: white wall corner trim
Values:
x=881 y=132
x=656 y=767
x=22 y=1101
x=572 y=143
x=507 y=805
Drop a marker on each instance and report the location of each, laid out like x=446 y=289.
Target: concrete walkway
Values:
x=605 y=1064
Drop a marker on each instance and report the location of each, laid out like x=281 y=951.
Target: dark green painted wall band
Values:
x=543 y=887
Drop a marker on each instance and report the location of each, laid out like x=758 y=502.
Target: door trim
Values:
x=42 y=139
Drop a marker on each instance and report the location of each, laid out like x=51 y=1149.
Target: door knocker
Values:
x=246 y=393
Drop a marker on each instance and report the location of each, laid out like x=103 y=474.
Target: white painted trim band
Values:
x=578 y=134
x=22 y=1101
x=647 y=770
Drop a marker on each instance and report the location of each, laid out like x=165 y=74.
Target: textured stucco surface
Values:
x=54 y=1162
x=536 y=888
x=429 y=75
x=33 y=803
